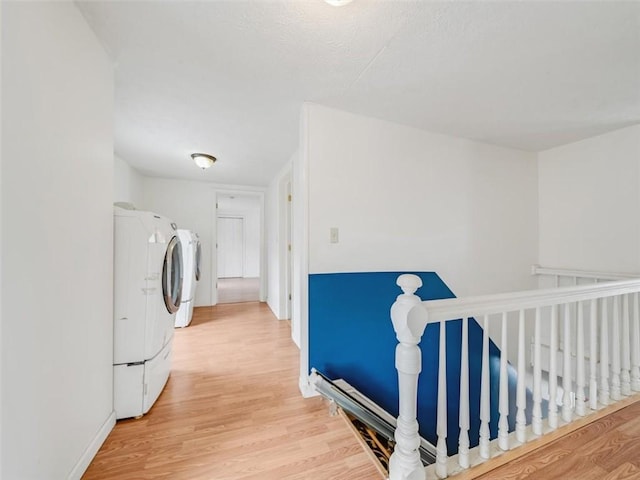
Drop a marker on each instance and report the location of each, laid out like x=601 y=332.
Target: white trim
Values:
x=277 y=238
x=213 y=289
x=263 y=251
x=448 y=309
x=246 y=191
x=563 y=272
x=93 y=447
x=237 y=189
x=301 y=250
x=306 y=387
x=286 y=234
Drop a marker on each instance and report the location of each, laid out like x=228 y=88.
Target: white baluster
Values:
x=405 y=462
x=593 y=347
x=635 y=345
x=625 y=374
x=552 y=417
x=536 y=416
x=604 y=353
x=580 y=359
x=580 y=398
x=566 y=365
x=463 y=420
x=615 y=351
x=503 y=422
x=485 y=403
x=521 y=399
x=441 y=426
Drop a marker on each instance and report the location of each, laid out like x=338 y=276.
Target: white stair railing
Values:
x=612 y=311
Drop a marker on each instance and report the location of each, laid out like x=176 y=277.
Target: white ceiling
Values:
x=229 y=77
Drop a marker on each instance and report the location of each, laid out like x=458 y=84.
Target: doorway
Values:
x=238 y=256
x=230 y=247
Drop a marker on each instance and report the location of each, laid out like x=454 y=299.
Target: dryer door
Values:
x=198 y=255
x=172 y=276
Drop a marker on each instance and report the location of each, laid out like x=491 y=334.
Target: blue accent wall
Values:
x=351 y=337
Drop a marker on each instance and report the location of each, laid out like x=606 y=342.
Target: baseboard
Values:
x=277 y=311
x=274 y=310
x=93 y=447
x=306 y=388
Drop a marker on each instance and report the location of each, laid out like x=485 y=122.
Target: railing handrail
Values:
x=454 y=308
x=613 y=329
x=566 y=272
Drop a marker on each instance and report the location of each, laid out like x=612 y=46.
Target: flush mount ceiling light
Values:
x=203 y=160
x=337 y=3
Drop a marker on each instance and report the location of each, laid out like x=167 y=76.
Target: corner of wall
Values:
x=127 y=182
x=300 y=257
x=93 y=447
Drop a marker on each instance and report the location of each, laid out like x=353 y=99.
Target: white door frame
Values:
x=288 y=271
x=300 y=258
x=214 y=257
x=284 y=241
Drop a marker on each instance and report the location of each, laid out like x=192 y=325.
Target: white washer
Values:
x=191 y=257
x=147 y=292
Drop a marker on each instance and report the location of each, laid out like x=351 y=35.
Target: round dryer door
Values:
x=172 y=276
x=198 y=255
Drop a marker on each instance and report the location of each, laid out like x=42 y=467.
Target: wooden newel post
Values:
x=409 y=322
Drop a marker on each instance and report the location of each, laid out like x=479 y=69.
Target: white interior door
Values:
x=230 y=247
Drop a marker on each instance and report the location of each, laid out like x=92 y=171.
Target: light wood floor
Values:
x=232 y=410
x=235 y=290
x=608 y=449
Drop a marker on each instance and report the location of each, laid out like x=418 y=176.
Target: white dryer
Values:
x=147 y=293
x=191 y=257
x=198 y=257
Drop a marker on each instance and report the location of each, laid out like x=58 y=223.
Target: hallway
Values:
x=232 y=411
x=238 y=290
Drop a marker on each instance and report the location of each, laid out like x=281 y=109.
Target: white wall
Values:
x=57 y=234
x=589 y=201
x=406 y=199
x=249 y=208
x=276 y=222
x=272 y=222
x=127 y=183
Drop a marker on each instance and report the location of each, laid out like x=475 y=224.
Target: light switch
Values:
x=333 y=235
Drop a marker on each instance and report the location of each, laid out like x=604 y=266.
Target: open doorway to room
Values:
x=239 y=234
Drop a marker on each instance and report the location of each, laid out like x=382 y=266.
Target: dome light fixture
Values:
x=337 y=3
x=203 y=160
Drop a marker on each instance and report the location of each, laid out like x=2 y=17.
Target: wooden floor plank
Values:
x=626 y=471
x=237 y=290
x=232 y=411
x=608 y=448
